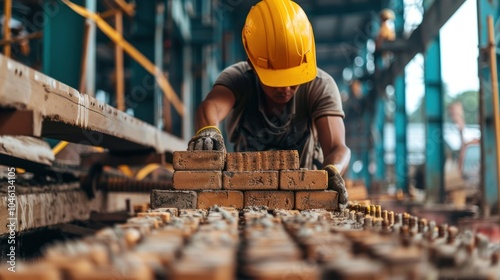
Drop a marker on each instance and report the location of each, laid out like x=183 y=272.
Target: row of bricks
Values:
x=237 y=161
x=300 y=200
x=251 y=180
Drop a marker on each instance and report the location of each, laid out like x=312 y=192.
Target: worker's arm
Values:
x=331 y=134
x=209 y=114
x=215 y=107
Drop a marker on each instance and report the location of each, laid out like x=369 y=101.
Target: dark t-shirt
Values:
x=250 y=129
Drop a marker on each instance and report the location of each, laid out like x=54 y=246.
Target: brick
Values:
x=266 y=160
x=281 y=269
x=271 y=199
x=197 y=180
x=303 y=180
x=207 y=199
x=177 y=199
x=198 y=160
x=250 y=180
x=316 y=200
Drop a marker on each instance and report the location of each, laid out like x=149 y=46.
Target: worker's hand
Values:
x=207 y=138
x=336 y=183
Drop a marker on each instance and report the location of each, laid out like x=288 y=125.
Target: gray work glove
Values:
x=208 y=138
x=336 y=183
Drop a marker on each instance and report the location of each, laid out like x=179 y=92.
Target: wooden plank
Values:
x=60 y=204
x=14 y=152
x=69 y=115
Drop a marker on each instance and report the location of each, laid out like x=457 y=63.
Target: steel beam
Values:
x=62 y=46
x=489 y=165
x=401 y=123
x=61 y=112
x=434 y=147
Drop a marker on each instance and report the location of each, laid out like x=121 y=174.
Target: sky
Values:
x=459 y=52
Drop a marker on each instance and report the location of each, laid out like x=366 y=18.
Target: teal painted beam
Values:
x=401 y=123
x=62 y=46
x=140 y=92
x=489 y=163
x=434 y=147
x=379 y=144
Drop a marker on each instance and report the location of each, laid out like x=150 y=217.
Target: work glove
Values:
x=336 y=183
x=208 y=138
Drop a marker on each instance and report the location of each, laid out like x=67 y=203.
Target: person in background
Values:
x=278 y=99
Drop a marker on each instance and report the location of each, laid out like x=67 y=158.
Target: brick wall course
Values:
x=303 y=180
x=250 y=180
x=198 y=160
x=197 y=180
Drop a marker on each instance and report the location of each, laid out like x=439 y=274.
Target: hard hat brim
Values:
x=301 y=74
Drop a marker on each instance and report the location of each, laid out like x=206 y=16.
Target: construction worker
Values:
x=278 y=99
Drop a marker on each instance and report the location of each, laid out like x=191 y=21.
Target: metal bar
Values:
x=401 y=123
x=494 y=90
x=434 y=149
x=83 y=72
x=34 y=35
x=489 y=166
x=6 y=26
x=120 y=77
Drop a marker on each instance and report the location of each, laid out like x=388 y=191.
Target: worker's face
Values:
x=279 y=95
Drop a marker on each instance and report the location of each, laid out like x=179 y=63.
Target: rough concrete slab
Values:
x=177 y=199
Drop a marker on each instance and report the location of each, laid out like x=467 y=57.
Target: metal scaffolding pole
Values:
x=434 y=147
x=487 y=70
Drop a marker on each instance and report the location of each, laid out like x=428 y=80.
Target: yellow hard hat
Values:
x=279 y=41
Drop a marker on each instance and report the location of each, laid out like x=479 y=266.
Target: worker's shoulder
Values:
x=241 y=67
x=323 y=75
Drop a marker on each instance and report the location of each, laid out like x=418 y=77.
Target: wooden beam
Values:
x=119 y=78
x=61 y=204
x=6 y=26
x=14 y=152
x=74 y=117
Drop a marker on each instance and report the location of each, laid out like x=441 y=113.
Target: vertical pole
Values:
x=401 y=123
x=90 y=50
x=160 y=22
x=6 y=27
x=489 y=165
x=434 y=150
x=120 y=79
x=379 y=144
x=494 y=90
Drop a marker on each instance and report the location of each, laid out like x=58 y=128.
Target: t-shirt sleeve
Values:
x=235 y=78
x=324 y=98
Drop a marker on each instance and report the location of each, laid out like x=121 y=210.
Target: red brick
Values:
x=271 y=199
x=316 y=200
x=250 y=180
x=266 y=160
x=207 y=199
x=197 y=180
x=303 y=180
x=198 y=160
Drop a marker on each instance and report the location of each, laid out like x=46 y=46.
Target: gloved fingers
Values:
x=191 y=145
x=208 y=144
x=198 y=144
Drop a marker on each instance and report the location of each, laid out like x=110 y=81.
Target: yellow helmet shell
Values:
x=279 y=41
